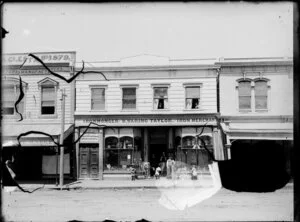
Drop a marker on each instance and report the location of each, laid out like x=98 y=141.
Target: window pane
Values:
x=98 y=99
x=48 y=110
x=244 y=88
x=261 y=102
x=48 y=103
x=245 y=102
x=9 y=93
x=160 y=92
x=48 y=93
x=129 y=98
x=192 y=92
x=261 y=88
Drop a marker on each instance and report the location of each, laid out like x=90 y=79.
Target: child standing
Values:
x=157 y=172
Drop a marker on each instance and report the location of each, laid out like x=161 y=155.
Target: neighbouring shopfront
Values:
x=38 y=156
x=127 y=141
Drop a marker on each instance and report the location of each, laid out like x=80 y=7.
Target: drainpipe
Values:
x=218 y=90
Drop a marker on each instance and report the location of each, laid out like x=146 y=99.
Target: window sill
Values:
x=261 y=110
x=96 y=111
x=130 y=110
x=14 y=116
x=164 y=110
x=54 y=116
x=189 y=110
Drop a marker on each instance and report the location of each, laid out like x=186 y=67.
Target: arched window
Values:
x=244 y=89
x=111 y=142
x=261 y=95
x=11 y=93
x=48 y=88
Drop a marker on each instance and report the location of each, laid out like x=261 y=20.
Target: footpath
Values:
x=150 y=183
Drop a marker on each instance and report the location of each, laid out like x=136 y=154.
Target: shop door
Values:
x=89 y=162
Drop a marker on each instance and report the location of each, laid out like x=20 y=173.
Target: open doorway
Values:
x=158 y=144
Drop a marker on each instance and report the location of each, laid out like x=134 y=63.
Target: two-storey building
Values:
x=148 y=106
x=41 y=110
x=256 y=108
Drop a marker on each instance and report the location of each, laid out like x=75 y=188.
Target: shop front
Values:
x=38 y=156
x=125 y=141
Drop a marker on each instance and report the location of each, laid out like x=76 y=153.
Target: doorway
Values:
x=158 y=144
x=89 y=161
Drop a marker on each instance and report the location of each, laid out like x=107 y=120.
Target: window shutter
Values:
x=192 y=92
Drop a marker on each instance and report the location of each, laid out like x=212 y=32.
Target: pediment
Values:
x=145 y=60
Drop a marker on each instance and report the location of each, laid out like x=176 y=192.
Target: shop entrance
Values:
x=89 y=161
x=158 y=144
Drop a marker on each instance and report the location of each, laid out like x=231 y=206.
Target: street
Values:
x=135 y=204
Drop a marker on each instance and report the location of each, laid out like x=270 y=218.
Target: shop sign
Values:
x=18 y=59
x=91 y=136
x=153 y=121
x=37 y=142
x=35 y=71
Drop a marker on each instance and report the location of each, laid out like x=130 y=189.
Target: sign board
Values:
x=184 y=120
x=91 y=135
x=8 y=71
x=46 y=57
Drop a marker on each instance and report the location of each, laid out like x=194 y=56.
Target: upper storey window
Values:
x=261 y=95
x=253 y=95
x=48 y=89
x=244 y=89
x=160 y=97
x=192 y=95
x=129 y=98
x=11 y=93
x=98 y=98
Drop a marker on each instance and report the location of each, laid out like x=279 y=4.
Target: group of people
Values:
x=166 y=167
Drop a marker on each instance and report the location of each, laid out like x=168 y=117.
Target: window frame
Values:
x=268 y=94
x=167 y=86
x=14 y=82
x=105 y=97
x=41 y=84
x=192 y=85
x=252 y=93
x=122 y=87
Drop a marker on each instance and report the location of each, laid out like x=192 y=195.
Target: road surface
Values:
x=135 y=204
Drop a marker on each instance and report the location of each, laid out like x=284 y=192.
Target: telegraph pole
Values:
x=61 y=170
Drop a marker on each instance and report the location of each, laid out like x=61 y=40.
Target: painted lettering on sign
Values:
x=19 y=59
x=146 y=121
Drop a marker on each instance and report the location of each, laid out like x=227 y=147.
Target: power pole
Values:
x=61 y=170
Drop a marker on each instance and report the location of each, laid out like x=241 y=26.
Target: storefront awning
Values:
x=10 y=132
x=259 y=131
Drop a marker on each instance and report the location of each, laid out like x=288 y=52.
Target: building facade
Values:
x=148 y=106
x=256 y=109
x=41 y=111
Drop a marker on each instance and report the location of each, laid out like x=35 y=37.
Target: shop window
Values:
x=160 y=98
x=188 y=142
x=126 y=142
x=111 y=143
x=192 y=97
x=207 y=140
x=97 y=98
x=129 y=98
x=11 y=92
x=261 y=95
x=244 y=90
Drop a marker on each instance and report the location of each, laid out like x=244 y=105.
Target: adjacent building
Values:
x=256 y=109
x=41 y=109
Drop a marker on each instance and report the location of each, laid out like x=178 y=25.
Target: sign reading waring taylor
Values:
x=46 y=57
x=147 y=121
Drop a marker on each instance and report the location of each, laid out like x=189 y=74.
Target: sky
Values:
x=178 y=30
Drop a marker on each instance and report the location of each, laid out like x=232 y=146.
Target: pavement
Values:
x=149 y=183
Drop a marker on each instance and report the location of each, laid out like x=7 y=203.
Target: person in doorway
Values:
x=173 y=175
x=163 y=160
x=194 y=173
x=157 y=172
x=169 y=163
